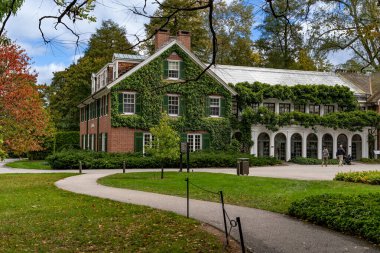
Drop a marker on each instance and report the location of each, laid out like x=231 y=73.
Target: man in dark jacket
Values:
x=340 y=154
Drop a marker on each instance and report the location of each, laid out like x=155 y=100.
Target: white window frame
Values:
x=192 y=146
x=214 y=106
x=134 y=102
x=169 y=69
x=178 y=105
x=150 y=140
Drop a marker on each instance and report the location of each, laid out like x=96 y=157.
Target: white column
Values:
x=365 y=145
x=254 y=146
x=271 y=144
x=349 y=144
x=304 y=139
x=288 y=146
x=335 y=143
x=307 y=108
x=319 y=135
x=322 y=110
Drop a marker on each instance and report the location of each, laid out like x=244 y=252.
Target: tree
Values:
x=165 y=145
x=71 y=86
x=349 y=24
x=232 y=23
x=25 y=123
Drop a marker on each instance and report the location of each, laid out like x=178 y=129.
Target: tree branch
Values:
x=7 y=17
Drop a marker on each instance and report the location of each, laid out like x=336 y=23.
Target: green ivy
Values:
x=298 y=94
x=151 y=86
x=351 y=119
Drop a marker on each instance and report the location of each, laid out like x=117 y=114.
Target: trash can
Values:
x=242 y=167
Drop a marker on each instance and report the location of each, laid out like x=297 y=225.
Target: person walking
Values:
x=340 y=154
x=325 y=156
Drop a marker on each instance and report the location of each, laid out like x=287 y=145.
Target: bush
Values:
x=311 y=161
x=365 y=177
x=354 y=214
x=368 y=160
x=66 y=140
x=100 y=160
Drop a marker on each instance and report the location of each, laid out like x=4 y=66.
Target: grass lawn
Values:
x=27 y=164
x=35 y=216
x=271 y=194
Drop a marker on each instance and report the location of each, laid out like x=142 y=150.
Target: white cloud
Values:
x=45 y=72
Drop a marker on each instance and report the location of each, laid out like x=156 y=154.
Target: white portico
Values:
x=294 y=141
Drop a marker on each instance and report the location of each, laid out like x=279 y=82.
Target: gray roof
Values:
x=131 y=57
x=237 y=74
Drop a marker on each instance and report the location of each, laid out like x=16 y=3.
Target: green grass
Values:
x=35 y=216
x=271 y=194
x=27 y=164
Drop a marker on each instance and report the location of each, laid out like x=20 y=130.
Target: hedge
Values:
x=311 y=161
x=101 y=160
x=365 y=177
x=353 y=214
x=370 y=161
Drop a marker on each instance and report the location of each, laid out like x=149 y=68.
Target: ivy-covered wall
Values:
x=351 y=119
x=149 y=83
x=299 y=94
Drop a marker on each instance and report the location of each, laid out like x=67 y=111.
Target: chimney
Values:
x=184 y=37
x=161 y=38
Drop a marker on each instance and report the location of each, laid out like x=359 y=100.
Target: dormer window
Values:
x=173 y=69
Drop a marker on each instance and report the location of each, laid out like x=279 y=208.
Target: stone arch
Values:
x=263 y=145
x=342 y=140
x=280 y=146
x=312 y=146
x=296 y=145
x=356 y=147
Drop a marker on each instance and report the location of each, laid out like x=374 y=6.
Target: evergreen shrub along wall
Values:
x=151 y=87
x=351 y=119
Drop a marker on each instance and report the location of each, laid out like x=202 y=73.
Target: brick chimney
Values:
x=184 y=37
x=161 y=38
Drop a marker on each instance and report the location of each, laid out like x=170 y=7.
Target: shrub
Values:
x=100 y=160
x=311 y=161
x=365 y=177
x=354 y=214
x=368 y=160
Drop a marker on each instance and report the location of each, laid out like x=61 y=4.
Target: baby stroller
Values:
x=347 y=160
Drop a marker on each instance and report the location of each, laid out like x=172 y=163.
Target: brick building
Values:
x=129 y=93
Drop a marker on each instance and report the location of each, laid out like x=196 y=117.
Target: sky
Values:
x=62 y=51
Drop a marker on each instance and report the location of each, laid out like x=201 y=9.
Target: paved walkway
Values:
x=263 y=231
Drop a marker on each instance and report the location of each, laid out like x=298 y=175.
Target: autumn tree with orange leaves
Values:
x=24 y=121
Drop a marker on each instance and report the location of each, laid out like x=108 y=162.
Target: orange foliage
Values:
x=24 y=121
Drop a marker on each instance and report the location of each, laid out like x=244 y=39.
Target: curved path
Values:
x=263 y=231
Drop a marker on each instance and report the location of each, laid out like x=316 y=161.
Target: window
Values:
x=194 y=141
x=314 y=109
x=299 y=108
x=104 y=142
x=270 y=106
x=173 y=69
x=363 y=108
x=214 y=106
x=328 y=109
x=148 y=141
x=342 y=108
x=129 y=100
x=255 y=107
x=284 y=108
x=173 y=105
